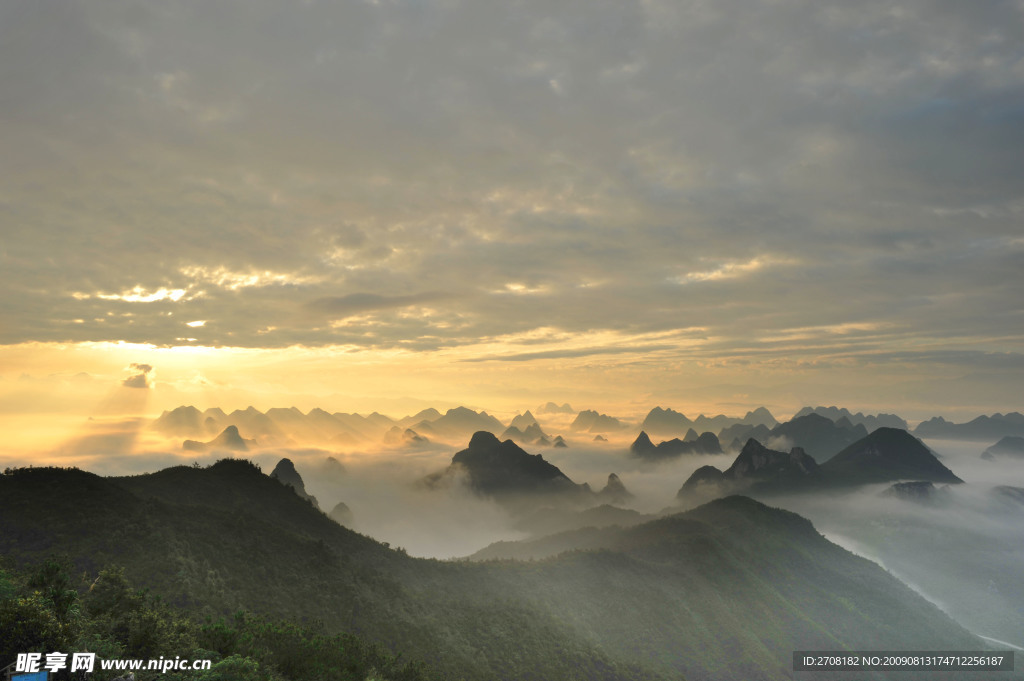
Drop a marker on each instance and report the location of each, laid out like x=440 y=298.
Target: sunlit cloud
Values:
x=734 y=269
x=137 y=294
x=142 y=375
x=234 y=281
x=516 y=288
x=811 y=332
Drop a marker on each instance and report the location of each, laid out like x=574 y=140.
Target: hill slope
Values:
x=726 y=591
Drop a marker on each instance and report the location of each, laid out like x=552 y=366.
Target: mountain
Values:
x=614 y=492
x=460 y=423
x=524 y=421
x=665 y=422
x=512 y=433
x=256 y=423
x=552 y=408
x=760 y=417
x=1009 y=447
x=215 y=413
x=548 y=520
x=228 y=440
x=643 y=448
x=182 y=421
x=341 y=514
x=559 y=442
x=593 y=422
x=430 y=414
x=359 y=427
x=670 y=422
x=279 y=425
x=989 y=428
x=871 y=422
x=726 y=591
x=886 y=455
x=742 y=552
x=819 y=436
x=918 y=491
x=755 y=469
x=707 y=482
x=316 y=426
x=503 y=470
x=744 y=432
x=286 y=473
x=534 y=433
x=409 y=437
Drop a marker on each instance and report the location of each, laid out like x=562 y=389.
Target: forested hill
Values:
x=725 y=591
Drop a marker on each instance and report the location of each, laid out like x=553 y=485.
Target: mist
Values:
x=963 y=551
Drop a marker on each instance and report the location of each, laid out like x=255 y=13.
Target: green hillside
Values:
x=726 y=591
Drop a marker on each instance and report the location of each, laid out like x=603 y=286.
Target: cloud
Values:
x=734 y=270
x=756 y=168
x=136 y=295
x=570 y=352
x=141 y=378
x=341 y=306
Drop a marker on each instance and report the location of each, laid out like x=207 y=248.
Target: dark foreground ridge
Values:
x=725 y=591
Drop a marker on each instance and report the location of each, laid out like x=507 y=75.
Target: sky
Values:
x=396 y=204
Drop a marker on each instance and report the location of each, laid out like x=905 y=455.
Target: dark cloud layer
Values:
x=801 y=179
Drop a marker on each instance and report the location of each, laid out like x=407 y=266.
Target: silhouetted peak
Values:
x=888 y=454
x=641 y=443
x=286 y=473
x=614 y=492
x=614 y=482
x=341 y=514
x=708 y=443
x=483 y=440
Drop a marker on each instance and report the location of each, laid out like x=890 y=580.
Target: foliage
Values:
x=40 y=612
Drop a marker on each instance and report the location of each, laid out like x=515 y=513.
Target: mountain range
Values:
x=982 y=428
x=870 y=421
x=1009 y=447
x=644 y=448
x=886 y=455
x=670 y=422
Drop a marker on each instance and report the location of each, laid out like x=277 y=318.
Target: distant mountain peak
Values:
x=614 y=492
x=286 y=473
x=482 y=439
x=887 y=455
x=505 y=471
x=229 y=439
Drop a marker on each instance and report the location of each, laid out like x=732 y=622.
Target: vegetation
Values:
x=43 y=610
